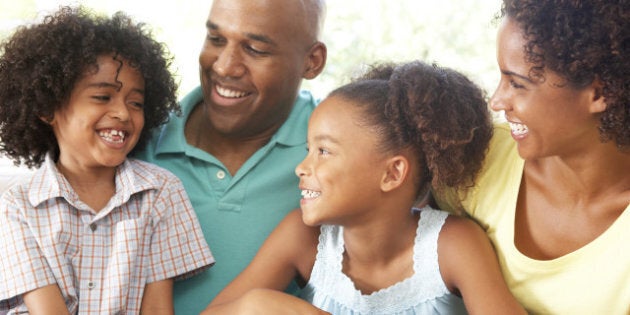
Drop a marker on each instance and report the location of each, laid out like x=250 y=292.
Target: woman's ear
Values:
x=396 y=171
x=598 y=102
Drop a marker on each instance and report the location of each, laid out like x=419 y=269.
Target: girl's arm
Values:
x=288 y=252
x=158 y=298
x=45 y=300
x=469 y=265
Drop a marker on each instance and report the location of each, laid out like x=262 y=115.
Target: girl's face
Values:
x=103 y=118
x=546 y=117
x=340 y=175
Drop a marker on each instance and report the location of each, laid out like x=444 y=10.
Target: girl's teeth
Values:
x=308 y=194
x=518 y=129
x=229 y=93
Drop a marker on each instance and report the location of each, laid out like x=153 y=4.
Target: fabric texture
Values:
x=590 y=280
x=423 y=293
x=238 y=212
x=101 y=260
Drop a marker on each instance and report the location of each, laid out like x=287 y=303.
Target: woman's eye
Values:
x=516 y=85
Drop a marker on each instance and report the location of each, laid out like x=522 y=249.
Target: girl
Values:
x=375 y=147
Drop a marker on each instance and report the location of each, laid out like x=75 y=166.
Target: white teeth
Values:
x=229 y=93
x=518 y=129
x=309 y=194
x=111 y=135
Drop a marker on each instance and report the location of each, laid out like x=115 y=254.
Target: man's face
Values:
x=252 y=63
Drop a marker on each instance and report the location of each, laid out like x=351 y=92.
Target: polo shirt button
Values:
x=91 y=285
x=93 y=227
x=220 y=174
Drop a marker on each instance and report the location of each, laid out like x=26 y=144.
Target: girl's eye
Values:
x=323 y=151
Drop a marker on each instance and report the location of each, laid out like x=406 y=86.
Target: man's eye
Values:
x=256 y=51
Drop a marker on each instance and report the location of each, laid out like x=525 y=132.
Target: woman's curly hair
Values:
x=582 y=41
x=41 y=63
x=437 y=112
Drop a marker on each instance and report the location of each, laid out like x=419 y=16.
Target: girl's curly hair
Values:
x=41 y=63
x=582 y=41
x=438 y=112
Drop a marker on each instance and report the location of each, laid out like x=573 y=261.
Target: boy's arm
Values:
x=45 y=300
x=158 y=298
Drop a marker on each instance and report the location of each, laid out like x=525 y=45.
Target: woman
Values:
x=555 y=198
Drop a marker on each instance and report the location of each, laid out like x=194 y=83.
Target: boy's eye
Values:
x=137 y=104
x=101 y=97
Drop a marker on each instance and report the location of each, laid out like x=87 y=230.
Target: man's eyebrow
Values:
x=256 y=37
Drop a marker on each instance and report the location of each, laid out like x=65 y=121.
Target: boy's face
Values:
x=102 y=120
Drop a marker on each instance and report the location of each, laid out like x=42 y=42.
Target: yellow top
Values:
x=594 y=279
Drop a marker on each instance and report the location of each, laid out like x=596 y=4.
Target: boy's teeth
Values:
x=310 y=194
x=230 y=93
x=113 y=135
x=518 y=129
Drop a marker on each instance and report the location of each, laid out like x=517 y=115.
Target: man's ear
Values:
x=396 y=171
x=598 y=102
x=315 y=61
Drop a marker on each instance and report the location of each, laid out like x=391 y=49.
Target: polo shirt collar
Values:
x=172 y=139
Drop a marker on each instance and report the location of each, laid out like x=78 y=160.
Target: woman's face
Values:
x=547 y=117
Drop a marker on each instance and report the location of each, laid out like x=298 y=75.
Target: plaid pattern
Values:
x=102 y=260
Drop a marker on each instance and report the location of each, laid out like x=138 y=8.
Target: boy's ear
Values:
x=315 y=61
x=396 y=171
x=47 y=120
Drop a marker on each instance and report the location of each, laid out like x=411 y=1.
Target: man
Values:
x=242 y=132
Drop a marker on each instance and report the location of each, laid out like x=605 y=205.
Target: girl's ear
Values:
x=396 y=171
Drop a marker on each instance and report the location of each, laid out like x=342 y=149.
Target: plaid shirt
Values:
x=102 y=260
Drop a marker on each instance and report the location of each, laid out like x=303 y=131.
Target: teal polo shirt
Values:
x=236 y=213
